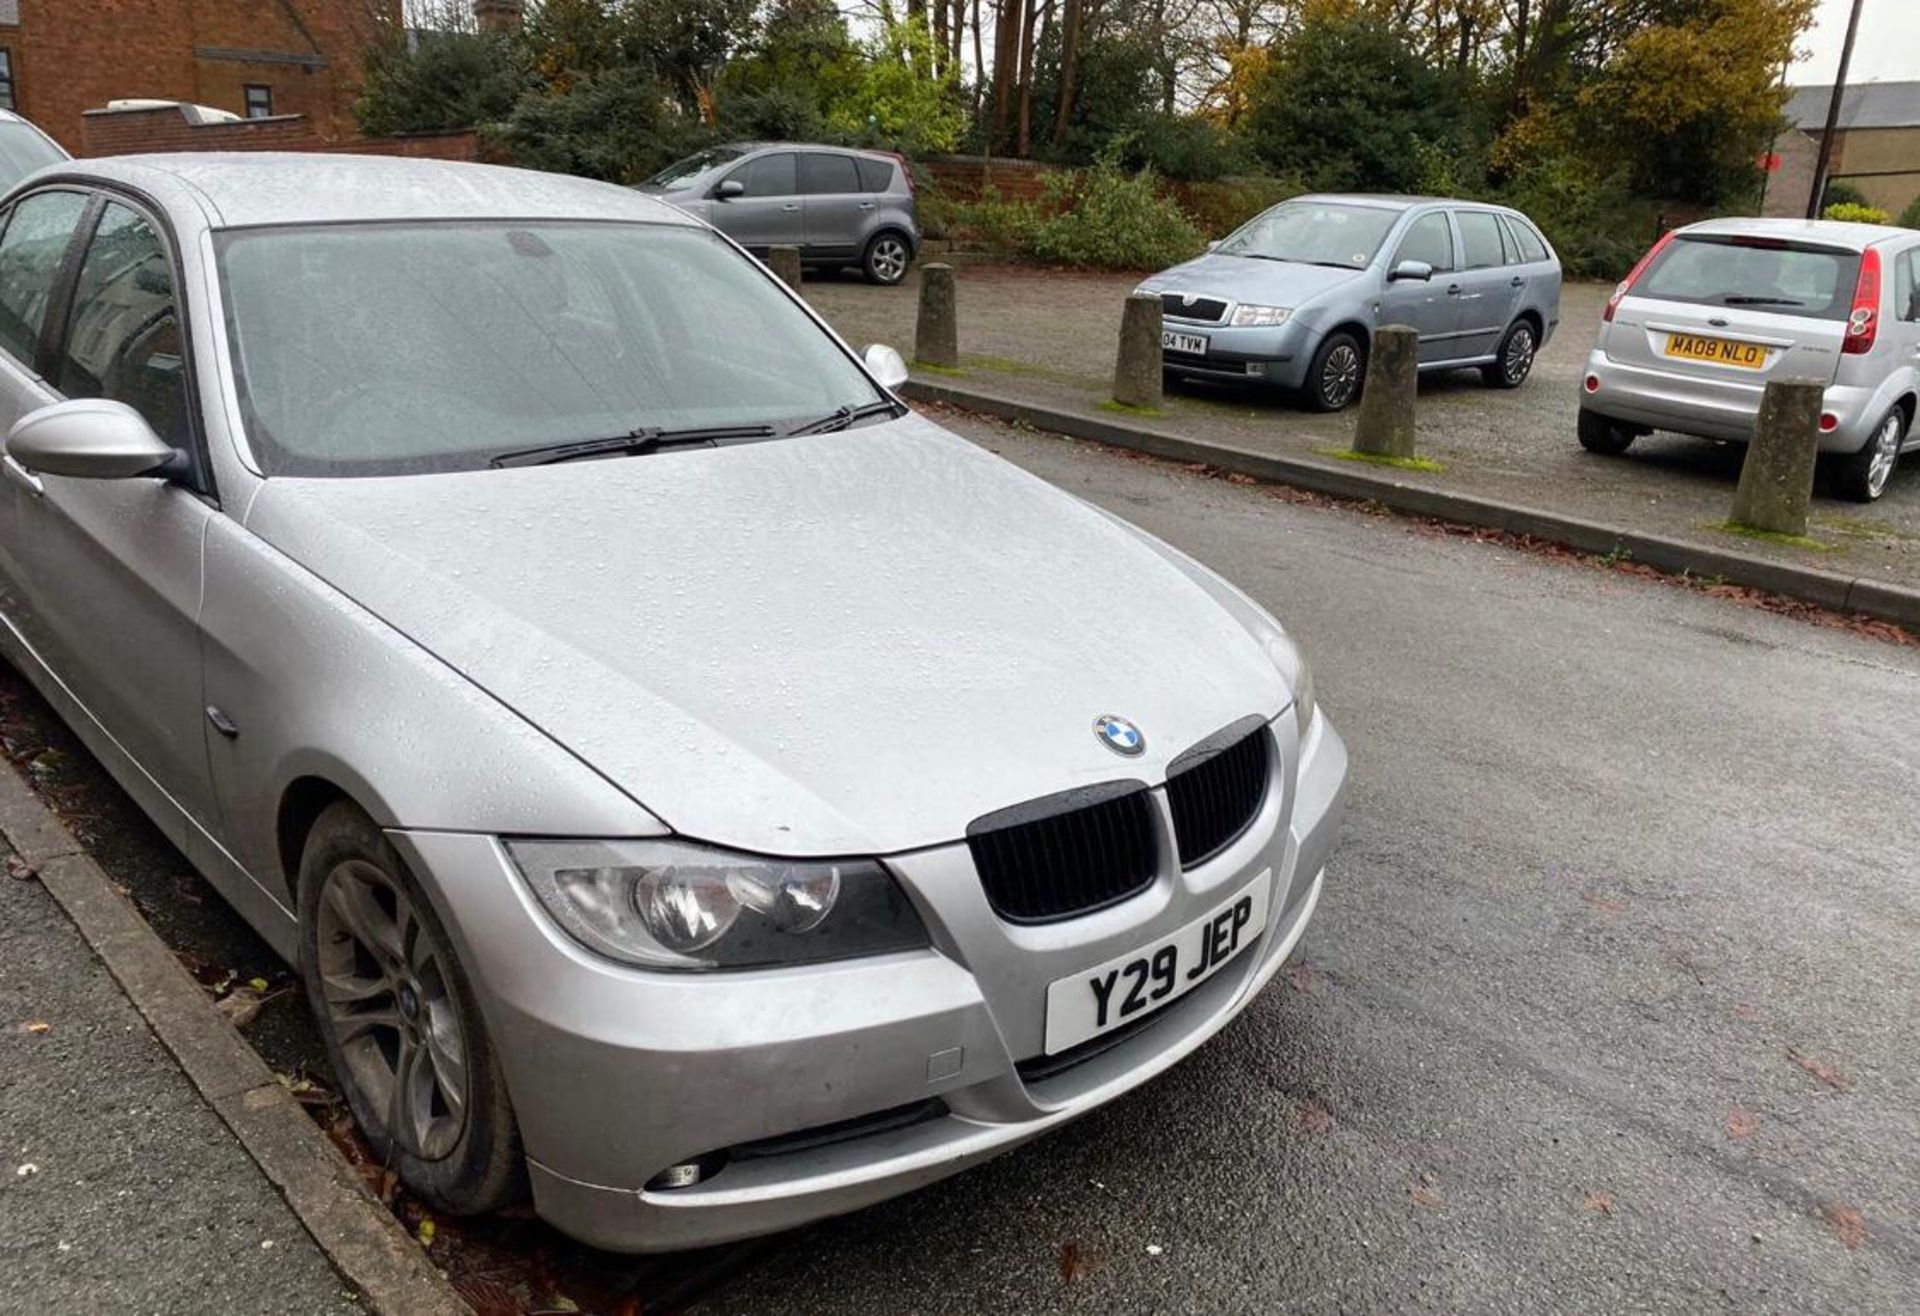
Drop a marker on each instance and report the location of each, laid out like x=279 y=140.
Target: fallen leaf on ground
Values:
x=1425 y=1196
x=425 y=1232
x=1826 y=1073
x=1315 y=1118
x=20 y=870
x=240 y=1007
x=1596 y=1201
x=1742 y=1123
x=1604 y=905
x=258 y=984
x=27 y=1171
x=35 y=1026
x=1075 y=1262
x=1849 y=1226
x=1301 y=976
x=1746 y=1012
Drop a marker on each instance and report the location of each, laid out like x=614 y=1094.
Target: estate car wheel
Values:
x=1335 y=374
x=399 y=1022
x=1609 y=438
x=1863 y=477
x=1514 y=361
x=886 y=260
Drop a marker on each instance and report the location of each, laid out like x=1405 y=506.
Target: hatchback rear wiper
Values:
x=1741 y=300
x=634 y=442
x=841 y=417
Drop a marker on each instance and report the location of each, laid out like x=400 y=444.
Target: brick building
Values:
x=257 y=58
x=1876 y=147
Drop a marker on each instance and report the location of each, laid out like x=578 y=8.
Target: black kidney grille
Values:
x=1066 y=854
x=1216 y=788
x=1177 y=306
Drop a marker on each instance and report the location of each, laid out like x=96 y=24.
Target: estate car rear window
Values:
x=382 y=349
x=1766 y=274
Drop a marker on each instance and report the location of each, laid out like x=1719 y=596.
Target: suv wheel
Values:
x=886 y=260
x=1514 y=361
x=1607 y=437
x=1336 y=373
x=1863 y=477
x=399 y=1022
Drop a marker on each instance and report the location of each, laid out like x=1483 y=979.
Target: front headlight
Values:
x=1251 y=317
x=672 y=905
x=1293 y=666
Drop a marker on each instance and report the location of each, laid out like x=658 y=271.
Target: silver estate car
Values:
x=693 y=787
x=839 y=207
x=1293 y=296
x=1691 y=336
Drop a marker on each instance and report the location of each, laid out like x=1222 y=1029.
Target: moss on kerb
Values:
x=1772 y=537
x=1379 y=459
x=932 y=369
x=1128 y=409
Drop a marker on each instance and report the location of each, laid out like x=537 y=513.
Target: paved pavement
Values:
x=1048 y=337
x=120 y=1189
x=1609 y=1003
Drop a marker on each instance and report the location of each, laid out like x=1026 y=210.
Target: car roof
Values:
x=1391 y=201
x=238 y=189
x=1832 y=232
x=745 y=147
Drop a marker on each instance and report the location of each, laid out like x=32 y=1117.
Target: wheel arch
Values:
x=302 y=802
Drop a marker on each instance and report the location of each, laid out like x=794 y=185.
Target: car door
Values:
x=1489 y=284
x=836 y=207
x=1426 y=306
x=108 y=571
x=768 y=213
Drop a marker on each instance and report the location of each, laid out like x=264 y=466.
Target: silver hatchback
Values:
x=1293 y=296
x=1692 y=335
x=839 y=207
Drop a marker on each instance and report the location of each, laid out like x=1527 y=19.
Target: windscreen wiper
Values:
x=841 y=417
x=1741 y=300
x=633 y=443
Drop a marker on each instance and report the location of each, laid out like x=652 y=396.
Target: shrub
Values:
x=1104 y=218
x=1220 y=208
x=1185 y=147
x=1910 y=217
x=1851 y=213
x=1842 y=193
x=1001 y=226
x=618 y=125
x=1596 y=224
x=448 y=80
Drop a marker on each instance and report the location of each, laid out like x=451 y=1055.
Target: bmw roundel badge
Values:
x=1119 y=735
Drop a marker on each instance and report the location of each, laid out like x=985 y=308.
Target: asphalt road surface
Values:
x=1609 y=1004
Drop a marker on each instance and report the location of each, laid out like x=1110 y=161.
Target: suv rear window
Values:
x=1767 y=274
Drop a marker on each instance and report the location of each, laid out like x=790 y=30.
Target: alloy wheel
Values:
x=1340 y=376
x=1886 y=451
x=889 y=259
x=389 y=1000
x=1519 y=358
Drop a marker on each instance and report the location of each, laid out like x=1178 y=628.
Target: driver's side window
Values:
x=768 y=176
x=123 y=336
x=1430 y=239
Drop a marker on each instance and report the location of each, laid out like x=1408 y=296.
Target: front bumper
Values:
x=918 y=1058
x=1273 y=354
x=1724 y=409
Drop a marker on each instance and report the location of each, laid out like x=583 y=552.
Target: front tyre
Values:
x=886 y=259
x=1863 y=477
x=1607 y=437
x=399 y=1022
x=1513 y=362
x=1335 y=374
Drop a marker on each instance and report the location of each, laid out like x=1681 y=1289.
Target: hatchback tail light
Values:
x=1626 y=285
x=1863 y=321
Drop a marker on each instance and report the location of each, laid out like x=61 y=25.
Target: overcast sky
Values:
x=1887 y=48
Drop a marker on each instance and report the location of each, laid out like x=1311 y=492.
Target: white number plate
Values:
x=1194 y=344
x=1140 y=982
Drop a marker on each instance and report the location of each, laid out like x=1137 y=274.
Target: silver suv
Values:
x=1690 y=338
x=839 y=207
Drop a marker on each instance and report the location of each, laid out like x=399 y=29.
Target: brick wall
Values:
x=140 y=132
x=965 y=177
x=71 y=56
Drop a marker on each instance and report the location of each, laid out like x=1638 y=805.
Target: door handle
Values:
x=22 y=476
x=866 y=205
x=1519 y=281
x=1453 y=290
x=792 y=205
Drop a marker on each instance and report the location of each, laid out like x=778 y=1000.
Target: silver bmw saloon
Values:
x=695 y=790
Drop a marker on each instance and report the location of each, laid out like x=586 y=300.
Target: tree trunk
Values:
x=939 y=37
x=1006 y=58
x=1029 y=18
x=979 y=63
x=1072 y=17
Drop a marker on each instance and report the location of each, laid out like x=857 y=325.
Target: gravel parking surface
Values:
x=1049 y=337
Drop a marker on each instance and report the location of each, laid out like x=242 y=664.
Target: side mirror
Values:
x=1411 y=269
x=886 y=365
x=729 y=189
x=91 y=439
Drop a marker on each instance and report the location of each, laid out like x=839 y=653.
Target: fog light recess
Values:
x=687 y=1173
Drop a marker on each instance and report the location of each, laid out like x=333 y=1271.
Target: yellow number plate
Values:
x=1720 y=351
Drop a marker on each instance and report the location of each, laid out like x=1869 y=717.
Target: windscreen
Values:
x=1314 y=233
x=22 y=150
x=376 y=349
x=1768 y=274
x=685 y=171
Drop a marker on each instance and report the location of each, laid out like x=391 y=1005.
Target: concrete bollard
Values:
x=1136 y=372
x=785 y=262
x=1776 y=479
x=936 y=340
x=1383 y=424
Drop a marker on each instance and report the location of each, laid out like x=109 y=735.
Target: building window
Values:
x=6 y=79
x=259 y=101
